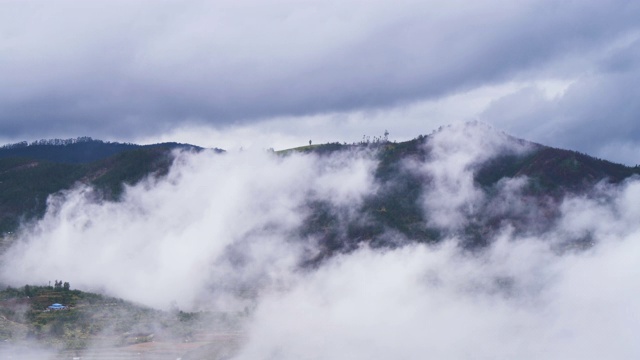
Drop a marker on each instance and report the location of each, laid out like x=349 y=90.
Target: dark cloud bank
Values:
x=123 y=70
x=219 y=223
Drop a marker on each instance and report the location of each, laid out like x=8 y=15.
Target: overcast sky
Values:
x=278 y=73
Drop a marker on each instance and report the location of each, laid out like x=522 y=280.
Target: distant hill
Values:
x=118 y=325
x=80 y=150
x=29 y=173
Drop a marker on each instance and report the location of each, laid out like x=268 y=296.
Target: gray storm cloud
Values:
x=596 y=108
x=221 y=231
x=139 y=69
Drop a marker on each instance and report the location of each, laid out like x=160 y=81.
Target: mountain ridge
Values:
x=29 y=174
x=550 y=173
x=78 y=150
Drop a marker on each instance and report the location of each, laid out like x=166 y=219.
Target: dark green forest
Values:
x=29 y=173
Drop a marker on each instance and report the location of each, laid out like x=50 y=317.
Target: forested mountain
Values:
x=29 y=173
x=80 y=150
x=236 y=238
x=424 y=179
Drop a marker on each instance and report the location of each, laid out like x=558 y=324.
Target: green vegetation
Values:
x=26 y=182
x=91 y=318
x=554 y=171
x=71 y=151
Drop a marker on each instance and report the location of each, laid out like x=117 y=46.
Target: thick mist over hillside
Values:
x=555 y=278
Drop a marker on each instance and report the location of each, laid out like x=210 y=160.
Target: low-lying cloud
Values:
x=518 y=300
x=223 y=232
x=214 y=221
x=454 y=155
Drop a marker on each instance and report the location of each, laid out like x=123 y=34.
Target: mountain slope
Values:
x=81 y=150
x=409 y=174
x=412 y=173
x=465 y=221
x=30 y=173
x=109 y=326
